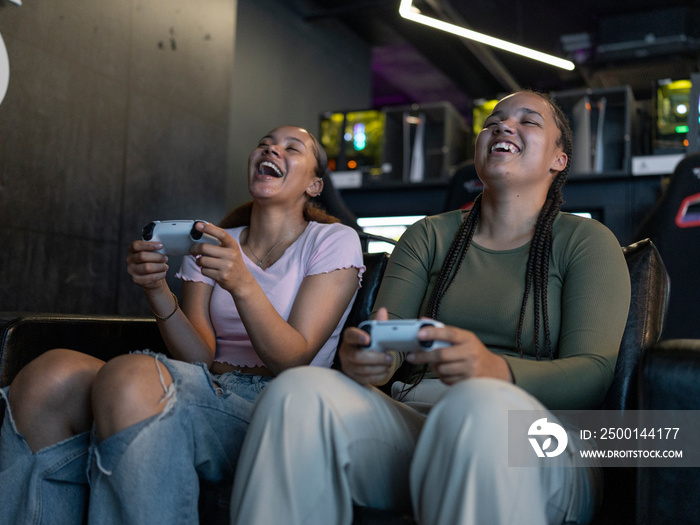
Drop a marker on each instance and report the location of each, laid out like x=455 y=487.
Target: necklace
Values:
x=261 y=262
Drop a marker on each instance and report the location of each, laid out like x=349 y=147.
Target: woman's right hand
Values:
x=147 y=267
x=365 y=367
x=224 y=263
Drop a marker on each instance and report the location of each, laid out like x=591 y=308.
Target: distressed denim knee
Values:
x=48 y=487
x=150 y=472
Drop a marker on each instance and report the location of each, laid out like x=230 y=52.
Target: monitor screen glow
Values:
x=391 y=227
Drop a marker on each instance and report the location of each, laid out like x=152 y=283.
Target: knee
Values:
x=300 y=389
x=477 y=408
x=128 y=389
x=482 y=398
x=53 y=381
x=303 y=380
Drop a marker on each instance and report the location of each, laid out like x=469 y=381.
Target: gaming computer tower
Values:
x=395 y=145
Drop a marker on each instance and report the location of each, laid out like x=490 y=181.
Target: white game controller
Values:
x=177 y=236
x=400 y=335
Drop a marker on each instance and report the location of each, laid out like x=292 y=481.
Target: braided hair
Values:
x=537 y=271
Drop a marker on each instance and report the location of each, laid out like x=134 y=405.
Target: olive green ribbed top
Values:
x=588 y=302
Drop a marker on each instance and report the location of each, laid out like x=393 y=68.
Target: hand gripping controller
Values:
x=177 y=236
x=400 y=334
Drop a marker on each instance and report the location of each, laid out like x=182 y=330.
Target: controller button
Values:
x=195 y=233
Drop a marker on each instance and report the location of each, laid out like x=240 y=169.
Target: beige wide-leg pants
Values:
x=319 y=443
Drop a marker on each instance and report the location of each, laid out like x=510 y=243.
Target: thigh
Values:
x=461 y=466
x=216 y=410
x=371 y=436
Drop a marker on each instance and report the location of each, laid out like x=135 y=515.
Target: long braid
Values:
x=537 y=273
x=454 y=258
x=450 y=267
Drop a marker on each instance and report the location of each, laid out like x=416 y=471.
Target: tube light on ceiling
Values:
x=407 y=11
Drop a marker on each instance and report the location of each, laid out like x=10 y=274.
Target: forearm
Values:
x=318 y=308
x=575 y=383
x=184 y=341
x=278 y=344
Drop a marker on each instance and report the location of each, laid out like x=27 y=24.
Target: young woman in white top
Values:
x=274 y=295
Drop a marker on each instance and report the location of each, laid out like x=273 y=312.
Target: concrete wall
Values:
x=118 y=113
x=288 y=71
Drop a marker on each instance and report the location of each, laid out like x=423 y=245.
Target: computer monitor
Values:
x=390 y=227
x=587 y=212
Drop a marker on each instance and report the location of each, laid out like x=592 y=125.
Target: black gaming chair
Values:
x=463 y=188
x=674 y=227
x=332 y=201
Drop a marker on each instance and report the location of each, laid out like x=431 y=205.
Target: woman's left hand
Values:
x=466 y=357
x=222 y=263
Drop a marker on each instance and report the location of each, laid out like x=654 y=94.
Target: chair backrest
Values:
x=463 y=188
x=645 y=321
x=375 y=264
x=25 y=336
x=331 y=200
x=673 y=225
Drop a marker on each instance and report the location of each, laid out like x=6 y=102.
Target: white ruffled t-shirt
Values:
x=322 y=248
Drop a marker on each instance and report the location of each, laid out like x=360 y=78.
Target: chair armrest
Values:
x=671 y=376
x=670 y=380
x=375 y=264
x=24 y=336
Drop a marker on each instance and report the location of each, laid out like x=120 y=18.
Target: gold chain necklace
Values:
x=261 y=262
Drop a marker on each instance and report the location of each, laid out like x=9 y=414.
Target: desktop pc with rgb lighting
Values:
x=672 y=107
x=354 y=140
x=416 y=143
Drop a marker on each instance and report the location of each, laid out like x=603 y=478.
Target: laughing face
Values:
x=284 y=163
x=519 y=142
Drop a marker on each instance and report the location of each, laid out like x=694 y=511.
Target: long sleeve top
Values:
x=321 y=248
x=588 y=296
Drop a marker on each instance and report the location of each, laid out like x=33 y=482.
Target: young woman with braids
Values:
x=534 y=302
x=272 y=296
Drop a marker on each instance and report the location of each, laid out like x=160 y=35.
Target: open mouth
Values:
x=270 y=169
x=504 y=147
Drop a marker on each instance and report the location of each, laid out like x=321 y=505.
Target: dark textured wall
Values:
x=288 y=70
x=116 y=114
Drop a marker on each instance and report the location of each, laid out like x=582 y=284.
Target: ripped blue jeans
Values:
x=148 y=473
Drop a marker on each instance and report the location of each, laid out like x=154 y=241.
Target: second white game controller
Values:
x=177 y=236
x=400 y=335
